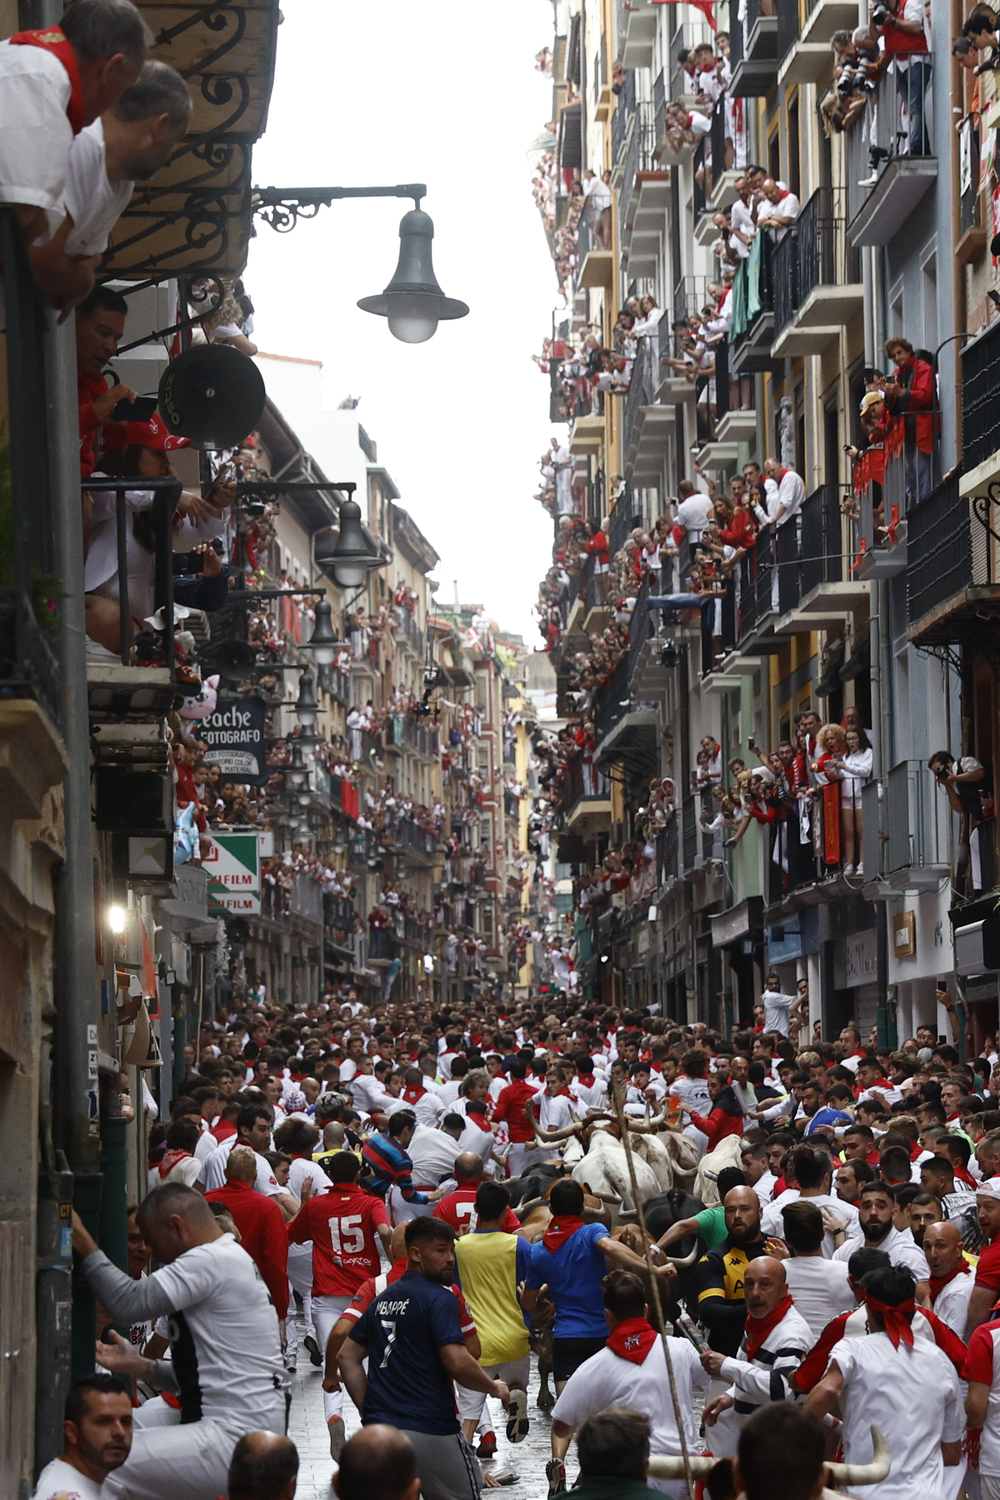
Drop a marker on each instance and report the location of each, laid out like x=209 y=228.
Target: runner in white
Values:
x=632 y=1371
x=226 y=1367
x=952 y=1278
x=903 y=1385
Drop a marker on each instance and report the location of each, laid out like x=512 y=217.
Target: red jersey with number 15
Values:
x=341 y=1225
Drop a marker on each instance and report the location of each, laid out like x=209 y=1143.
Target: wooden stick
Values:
x=616 y=1098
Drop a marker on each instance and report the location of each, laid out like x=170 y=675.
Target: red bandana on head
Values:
x=560 y=1230
x=759 y=1328
x=632 y=1340
x=53 y=40
x=897 y=1324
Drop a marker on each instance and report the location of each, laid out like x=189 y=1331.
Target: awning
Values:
x=195 y=214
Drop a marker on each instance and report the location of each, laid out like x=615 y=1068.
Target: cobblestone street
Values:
x=308 y=1431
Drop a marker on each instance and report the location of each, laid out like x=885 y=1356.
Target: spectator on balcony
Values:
x=129 y=143
x=853 y=767
x=831 y=748
x=980 y=30
x=785 y=500
x=741 y=212
x=911 y=395
x=597 y=191
x=56 y=81
x=970 y=794
x=694 y=510
x=778 y=209
x=905 y=46
x=100 y=326
x=685 y=127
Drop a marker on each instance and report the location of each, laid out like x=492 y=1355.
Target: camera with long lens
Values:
x=880 y=15
x=848 y=81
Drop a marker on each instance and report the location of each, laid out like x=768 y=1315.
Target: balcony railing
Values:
x=623 y=521
x=612 y=701
x=641 y=391
x=29 y=588
x=894 y=124
x=413 y=836
x=813 y=253
x=640 y=627
x=624 y=113
x=166 y=494
x=969 y=215
x=939 y=550
x=821 y=545
x=980 y=407
x=913 y=836
x=753 y=295
x=690 y=296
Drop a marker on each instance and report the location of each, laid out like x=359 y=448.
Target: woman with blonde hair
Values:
x=831 y=746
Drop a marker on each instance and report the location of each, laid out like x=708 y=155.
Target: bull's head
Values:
x=671 y=1466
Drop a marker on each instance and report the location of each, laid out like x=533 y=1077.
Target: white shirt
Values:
x=213 y=1171
x=776 y=1007
x=764 y=1187
x=93 y=201
x=35 y=135
x=694 y=513
x=605 y=1379
x=951 y=1304
x=474 y=1139
x=741 y=218
x=433 y=1154
x=59 y=1480
x=901 y=1249
x=221 y=1320
x=555 y=1113
x=787 y=207
x=757 y=1381
x=912 y=1395
x=791 y=494
x=771 y=1221
x=300 y=1169
x=819 y=1289
x=206 y=1145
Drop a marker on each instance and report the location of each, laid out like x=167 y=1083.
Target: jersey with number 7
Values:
x=342 y=1226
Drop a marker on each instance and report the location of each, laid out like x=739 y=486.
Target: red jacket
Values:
x=262 y=1234
x=916 y=405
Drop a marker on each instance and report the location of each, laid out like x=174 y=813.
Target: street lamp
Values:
x=323 y=641
x=306 y=706
x=351 y=558
x=297 y=771
x=413 y=302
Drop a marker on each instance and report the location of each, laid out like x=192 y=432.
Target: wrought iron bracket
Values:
x=283 y=207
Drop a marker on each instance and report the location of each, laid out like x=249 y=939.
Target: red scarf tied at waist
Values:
x=560 y=1230
x=53 y=40
x=897 y=1324
x=938 y=1283
x=632 y=1339
x=758 y=1329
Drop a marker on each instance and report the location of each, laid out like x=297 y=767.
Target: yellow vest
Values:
x=487 y=1266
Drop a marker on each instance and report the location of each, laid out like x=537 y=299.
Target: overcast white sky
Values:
x=443 y=92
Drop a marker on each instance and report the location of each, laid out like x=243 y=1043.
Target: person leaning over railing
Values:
x=53 y=82
x=902 y=27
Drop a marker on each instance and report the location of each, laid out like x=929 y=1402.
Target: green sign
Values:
x=233 y=870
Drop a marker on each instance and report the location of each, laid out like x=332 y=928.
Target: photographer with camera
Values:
x=900 y=23
x=856 y=58
x=969 y=789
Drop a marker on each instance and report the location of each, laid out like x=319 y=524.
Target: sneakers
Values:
x=312 y=1349
x=338 y=1437
x=848 y=870
x=487 y=1446
x=555 y=1473
x=517 y=1417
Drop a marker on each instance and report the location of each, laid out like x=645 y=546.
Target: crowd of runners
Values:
x=737 y=1258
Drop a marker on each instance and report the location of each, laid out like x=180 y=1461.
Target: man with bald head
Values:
x=951 y=1279
x=260 y=1222
x=378 y=1463
x=776 y=1340
x=264 y=1466
x=721 y=1273
x=459 y=1207
x=226 y=1371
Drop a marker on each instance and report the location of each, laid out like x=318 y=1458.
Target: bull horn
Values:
x=872 y=1473
x=671 y=1466
x=684 y=1260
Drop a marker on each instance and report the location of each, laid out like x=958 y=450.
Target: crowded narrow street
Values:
x=499 y=716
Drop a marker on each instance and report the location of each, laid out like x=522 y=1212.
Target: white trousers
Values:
x=326 y=1313
x=300 y=1278
x=181 y=1463
x=520 y=1157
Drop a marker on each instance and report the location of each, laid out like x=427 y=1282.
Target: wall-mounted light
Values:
x=116 y=919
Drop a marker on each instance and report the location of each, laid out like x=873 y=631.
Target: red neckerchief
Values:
x=560 y=1230
x=962 y=1174
x=53 y=40
x=759 y=1328
x=897 y=1324
x=587 y=1079
x=413 y=1093
x=632 y=1340
x=915 y=1150
x=169 y=1161
x=938 y=1283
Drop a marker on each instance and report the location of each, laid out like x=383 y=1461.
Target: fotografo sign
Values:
x=233 y=869
x=235 y=734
